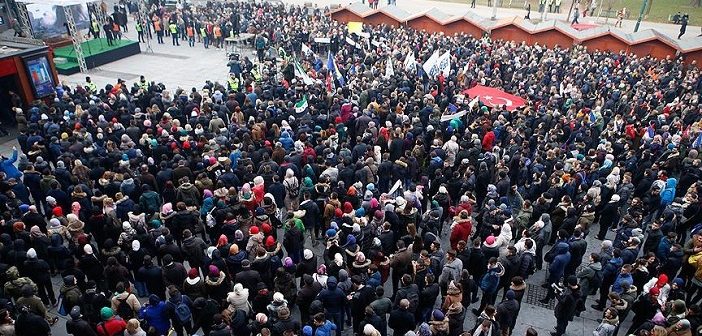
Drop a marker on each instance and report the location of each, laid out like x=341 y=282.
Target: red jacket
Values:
x=460 y=232
x=111 y=327
x=488 y=141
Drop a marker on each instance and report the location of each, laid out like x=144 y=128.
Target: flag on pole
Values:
x=389 y=71
x=306 y=49
x=698 y=141
x=331 y=65
x=299 y=72
x=430 y=63
x=593 y=117
x=410 y=62
x=301 y=106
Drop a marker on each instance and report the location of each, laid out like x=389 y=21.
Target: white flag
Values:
x=409 y=62
x=389 y=71
x=443 y=64
x=306 y=49
x=430 y=63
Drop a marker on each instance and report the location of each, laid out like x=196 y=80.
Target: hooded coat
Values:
x=557 y=268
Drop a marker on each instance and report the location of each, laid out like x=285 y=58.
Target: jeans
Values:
x=141 y=289
x=338 y=319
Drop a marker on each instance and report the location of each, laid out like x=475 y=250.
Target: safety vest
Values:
x=203 y=32
x=542 y=2
x=157 y=26
x=144 y=85
x=190 y=31
x=558 y=3
x=138 y=27
x=96 y=26
x=233 y=83
x=256 y=75
x=173 y=27
x=92 y=88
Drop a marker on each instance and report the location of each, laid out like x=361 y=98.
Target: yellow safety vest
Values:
x=173 y=28
x=91 y=87
x=144 y=85
x=233 y=83
x=256 y=75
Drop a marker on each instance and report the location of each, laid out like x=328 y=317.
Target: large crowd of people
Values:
x=296 y=189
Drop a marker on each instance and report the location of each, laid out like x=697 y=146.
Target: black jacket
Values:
x=79 y=327
x=401 y=321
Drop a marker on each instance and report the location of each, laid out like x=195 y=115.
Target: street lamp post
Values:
x=643 y=9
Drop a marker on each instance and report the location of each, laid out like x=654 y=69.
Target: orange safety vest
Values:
x=190 y=31
x=157 y=26
x=217 y=31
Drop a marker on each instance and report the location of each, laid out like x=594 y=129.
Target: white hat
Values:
x=88 y=249
x=442 y=190
x=31 y=253
x=307 y=254
x=136 y=245
x=615 y=198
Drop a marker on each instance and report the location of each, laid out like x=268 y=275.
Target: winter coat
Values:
x=586 y=277
x=557 y=268
x=156 y=316
x=507 y=311
x=332 y=297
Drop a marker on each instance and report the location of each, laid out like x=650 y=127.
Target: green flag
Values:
x=301 y=106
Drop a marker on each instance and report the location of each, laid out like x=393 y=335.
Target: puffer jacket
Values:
x=560 y=261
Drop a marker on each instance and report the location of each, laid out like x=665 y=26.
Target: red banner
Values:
x=493 y=97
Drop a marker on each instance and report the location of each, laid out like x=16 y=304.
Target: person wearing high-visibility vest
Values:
x=217 y=32
x=95 y=29
x=90 y=86
x=256 y=75
x=203 y=33
x=173 y=28
x=542 y=5
x=143 y=84
x=233 y=83
x=550 y=5
x=190 y=31
x=139 y=27
x=158 y=29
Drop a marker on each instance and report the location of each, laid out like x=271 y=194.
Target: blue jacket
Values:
x=557 y=267
x=325 y=329
x=333 y=298
x=617 y=286
x=157 y=317
x=8 y=166
x=663 y=250
x=286 y=141
x=611 y=269
x=668 y=194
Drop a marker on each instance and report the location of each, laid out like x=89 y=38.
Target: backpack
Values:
x=293 y=190
x=595 y=282
x=182 y=312
x=489 y=282
x=124 y=310
x=531 y=267
x=413 y=298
